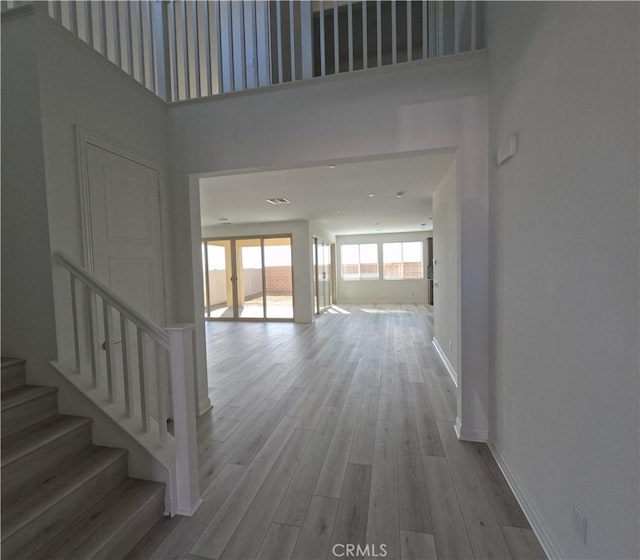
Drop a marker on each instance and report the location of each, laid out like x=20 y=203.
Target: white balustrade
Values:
x=187 y=49
x=130 y=374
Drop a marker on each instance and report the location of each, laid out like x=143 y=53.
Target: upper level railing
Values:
x=141 y=375
x=183 y=49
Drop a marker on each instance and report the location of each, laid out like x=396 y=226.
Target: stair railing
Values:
x=130 y=376
x=187 y=49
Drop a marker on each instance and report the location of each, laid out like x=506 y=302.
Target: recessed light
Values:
x=400 y=194
x=338 y=211
x=371 y=195
x=277 y=201
x=332 y=166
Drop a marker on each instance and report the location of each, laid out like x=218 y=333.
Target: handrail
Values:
x=106 y=293
x=132 y=375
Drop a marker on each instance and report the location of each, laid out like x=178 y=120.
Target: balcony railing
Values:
x=183 y=49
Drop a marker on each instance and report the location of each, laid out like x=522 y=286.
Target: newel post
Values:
x=184 y=418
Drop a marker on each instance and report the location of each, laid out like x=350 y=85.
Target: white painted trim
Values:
x=480 y=436
x=445 y=361
x=190 y=511
x=204 y=406
x=531 y=512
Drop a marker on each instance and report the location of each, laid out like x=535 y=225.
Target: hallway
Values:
x=336 y=433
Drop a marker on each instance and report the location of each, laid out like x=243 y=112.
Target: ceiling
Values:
x=337 y=198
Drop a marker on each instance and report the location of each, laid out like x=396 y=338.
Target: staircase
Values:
x=62 y=496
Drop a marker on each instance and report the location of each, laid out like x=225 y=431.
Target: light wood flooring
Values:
x=334 y=433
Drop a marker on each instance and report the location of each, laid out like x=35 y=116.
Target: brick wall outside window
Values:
x=278 y=279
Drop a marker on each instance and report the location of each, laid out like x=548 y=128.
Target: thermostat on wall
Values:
x=507 y=149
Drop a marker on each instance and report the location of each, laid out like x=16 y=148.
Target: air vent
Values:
x=277 y=201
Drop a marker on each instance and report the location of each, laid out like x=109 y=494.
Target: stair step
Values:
x=112 y=526
x=35 y=513
x=27 y=405
x=12 y=373
x=30 y=453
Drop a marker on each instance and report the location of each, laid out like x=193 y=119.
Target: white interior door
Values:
x=125 y=229
x=126 y=253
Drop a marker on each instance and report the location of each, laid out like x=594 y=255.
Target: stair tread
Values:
x=8 y=362
x=26 y=503
x=23 y=394
x=33 y=437
x=102 y=521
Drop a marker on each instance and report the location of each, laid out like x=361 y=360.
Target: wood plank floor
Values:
x=339 y=433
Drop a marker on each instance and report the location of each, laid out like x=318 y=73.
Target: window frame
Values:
x=402 y=261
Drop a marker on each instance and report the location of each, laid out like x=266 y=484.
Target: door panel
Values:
x=125 y=230
x=249 y=279
x=278 y=278
x=126 y=254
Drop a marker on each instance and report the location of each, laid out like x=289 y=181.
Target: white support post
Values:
x=184 y=418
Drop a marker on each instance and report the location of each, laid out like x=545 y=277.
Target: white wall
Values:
x=564 y=268
x=300 y=257
x=315 y=229
x=80 y=88
x=446 y=271
x=28 y=327
x=382 y=291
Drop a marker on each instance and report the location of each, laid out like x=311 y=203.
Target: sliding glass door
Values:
x=248 y=278
x=323 y=274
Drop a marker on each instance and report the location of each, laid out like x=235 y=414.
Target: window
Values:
x=402 y=260
x=359 y=262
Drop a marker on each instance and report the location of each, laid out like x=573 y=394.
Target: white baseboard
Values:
x=480 y=436
x=204 y=406
x=447 y=364
x=548 y=543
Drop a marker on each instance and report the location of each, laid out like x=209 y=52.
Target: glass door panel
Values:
x=218 y=287
x=322 y=269
x=327 y=274
x=278 y=273
x=249 y=279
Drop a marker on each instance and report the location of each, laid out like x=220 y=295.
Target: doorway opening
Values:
x=248 y=278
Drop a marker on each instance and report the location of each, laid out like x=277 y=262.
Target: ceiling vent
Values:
x=277 y=201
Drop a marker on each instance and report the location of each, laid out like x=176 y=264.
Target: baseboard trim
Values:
x=480 y=436
x=548 y=543
x=191 y=511
x=458 y=427
x=445 y=361
x=204 y=406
